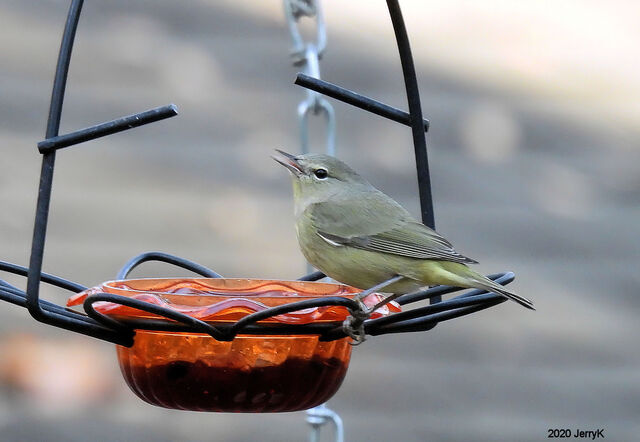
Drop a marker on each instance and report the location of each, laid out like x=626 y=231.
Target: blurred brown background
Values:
x=534 y=153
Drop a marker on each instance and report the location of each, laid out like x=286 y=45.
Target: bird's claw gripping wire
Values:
x=353 y=326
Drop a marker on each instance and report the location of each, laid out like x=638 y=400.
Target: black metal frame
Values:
x=122 y=332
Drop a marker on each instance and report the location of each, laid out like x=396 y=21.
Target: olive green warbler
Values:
x=359 y=236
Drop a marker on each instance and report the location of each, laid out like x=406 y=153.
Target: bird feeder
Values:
x=225 y=371
x=215 y=344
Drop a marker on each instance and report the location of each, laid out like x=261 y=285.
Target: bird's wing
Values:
x=371 y=213
x=381 y=227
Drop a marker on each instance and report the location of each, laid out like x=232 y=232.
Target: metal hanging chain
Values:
x=307 y=55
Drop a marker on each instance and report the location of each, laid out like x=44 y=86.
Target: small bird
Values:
x=359 y=236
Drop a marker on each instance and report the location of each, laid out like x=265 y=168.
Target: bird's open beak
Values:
x=289 y=161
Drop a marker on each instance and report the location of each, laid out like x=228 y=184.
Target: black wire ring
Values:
x=165 y=257
x=195 y=324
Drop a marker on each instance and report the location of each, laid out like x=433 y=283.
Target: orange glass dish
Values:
x=194 y=371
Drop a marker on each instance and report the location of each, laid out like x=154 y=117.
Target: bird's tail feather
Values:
x=459 y=275
x=494 y=287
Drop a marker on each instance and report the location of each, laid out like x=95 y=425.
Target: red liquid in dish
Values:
x=199 y=387
x=250 y=374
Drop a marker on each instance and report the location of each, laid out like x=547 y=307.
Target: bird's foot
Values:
x=354 y=328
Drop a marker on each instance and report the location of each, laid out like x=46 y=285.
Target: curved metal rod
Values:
x=439 y=290
x=251 y=329
x=428 y=322
x=196 y=324
x=165 y=257
x=67 y=319
x=219 y=333
x=415 y=116
x=292 y=307
x=415 y=113
x=431 y=292
x=17 y=297
x=45 y=277
x=450 y=304
x=48 y=162
x=421 y=323
x=6 y=285
x=409 y=326
x=313 y=276
x=62 y=317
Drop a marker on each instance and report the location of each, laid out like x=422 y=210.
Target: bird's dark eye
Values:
x=321 y=174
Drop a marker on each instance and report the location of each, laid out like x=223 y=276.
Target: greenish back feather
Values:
x=379 y=224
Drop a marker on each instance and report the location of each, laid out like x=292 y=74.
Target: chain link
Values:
x=307 y=55
x=319 y=416
x=296 y=9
